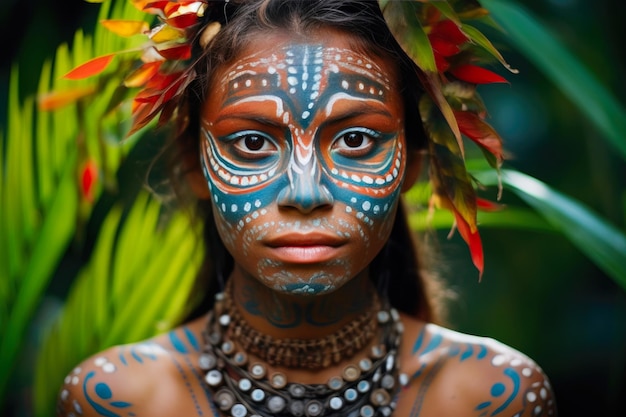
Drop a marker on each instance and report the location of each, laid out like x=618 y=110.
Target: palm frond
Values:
x=134 y=286
x=40 y=193
x=594 y=236
x=564 y=69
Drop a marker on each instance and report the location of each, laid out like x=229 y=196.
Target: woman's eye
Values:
x=354 y=139
x=355 y=143
x=253 y=145
x=253 y=142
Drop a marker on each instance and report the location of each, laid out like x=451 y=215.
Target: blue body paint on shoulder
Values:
x=483 y=352
x=136 y=356
x=122 y=358
x=419 y=341
x=193 y=341
x=419 y=371
x=484 y=405
x=468 y=352
x=498 y=389
x=177 y=343
x=433 y=344
x=183 y=374
x=454 y=350
x=104 y=392
x=515 y=378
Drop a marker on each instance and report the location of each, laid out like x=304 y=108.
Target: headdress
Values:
x=436 y=34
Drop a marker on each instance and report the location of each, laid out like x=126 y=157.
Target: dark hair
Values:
x=395 y=270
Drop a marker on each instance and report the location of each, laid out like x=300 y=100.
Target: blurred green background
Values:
x=539 y=293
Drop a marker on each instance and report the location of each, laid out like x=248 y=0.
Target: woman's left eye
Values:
x=355 y=142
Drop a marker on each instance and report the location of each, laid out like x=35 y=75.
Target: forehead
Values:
x=304 y=71
x=307 y=60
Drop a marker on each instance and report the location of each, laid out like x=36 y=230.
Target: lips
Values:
x=305 y=248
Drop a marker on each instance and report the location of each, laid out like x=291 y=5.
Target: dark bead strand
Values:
x=366 y=389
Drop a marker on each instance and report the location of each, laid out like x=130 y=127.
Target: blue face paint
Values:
x=310 y=129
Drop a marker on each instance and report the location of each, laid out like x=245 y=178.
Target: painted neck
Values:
x=283 y=315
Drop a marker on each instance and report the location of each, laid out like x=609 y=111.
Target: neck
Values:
x=282 y=315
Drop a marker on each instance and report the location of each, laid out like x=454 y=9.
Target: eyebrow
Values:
x=360 y=107
x=356 y=113
x=361 y=110
x=255 y=115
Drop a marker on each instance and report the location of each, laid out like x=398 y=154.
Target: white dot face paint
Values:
x=313 y=135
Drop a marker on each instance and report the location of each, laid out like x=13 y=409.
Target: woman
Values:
x=298 y=137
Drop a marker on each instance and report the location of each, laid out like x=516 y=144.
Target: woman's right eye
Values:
x=253 y=145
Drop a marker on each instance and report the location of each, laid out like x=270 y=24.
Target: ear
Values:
x=413 y=169
x=194 y=175
x=198 y=184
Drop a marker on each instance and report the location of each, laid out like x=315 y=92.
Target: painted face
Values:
x=304 y=154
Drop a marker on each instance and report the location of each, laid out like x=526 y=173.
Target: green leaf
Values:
x=541 y=47
x=416 y=41
x=601 y=241
x=447 y=10
x=402 y=17
x=43 y=143
x=512 y=217
x=95 y=318
x=478 y=38
x=447 y=165
x=40 y=212
x=509 y=217
x=56 y=232
x=13 y=234
x=162 y=259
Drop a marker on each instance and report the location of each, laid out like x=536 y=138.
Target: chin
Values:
x=317 y=283
x=308 y=289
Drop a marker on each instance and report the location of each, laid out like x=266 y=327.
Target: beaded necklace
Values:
x=243 y=388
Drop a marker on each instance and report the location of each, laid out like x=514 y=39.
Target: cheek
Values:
x=240 y=218
x=238 y=199
x=375 y=218
x=370 y=192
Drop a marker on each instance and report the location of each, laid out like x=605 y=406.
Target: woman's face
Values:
x=304 y=152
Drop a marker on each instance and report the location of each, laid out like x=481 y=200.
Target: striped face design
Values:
x=310 y=129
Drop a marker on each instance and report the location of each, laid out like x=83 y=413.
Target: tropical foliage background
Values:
x=88 y=258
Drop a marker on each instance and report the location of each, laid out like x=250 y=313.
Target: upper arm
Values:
x=146 y=379
x=467 y=376
x=98 y=387
x=510 y=384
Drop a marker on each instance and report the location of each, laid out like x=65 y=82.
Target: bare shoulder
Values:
x=453 y=373
x=155 y=377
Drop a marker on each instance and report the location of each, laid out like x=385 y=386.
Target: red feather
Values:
x=57 y=99
x=486 y=205
x=444 y=47
x=88 y=177
x=156 y=7
x=449 y=31
x=480 y=132
x=183 y=21
x=180 y=52
x=476 y=75
x=441 y=62
x=472 y=238
x=143 y=74
x=90 y=68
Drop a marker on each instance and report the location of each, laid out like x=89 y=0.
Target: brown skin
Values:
x=170 y=384
x=451 y=374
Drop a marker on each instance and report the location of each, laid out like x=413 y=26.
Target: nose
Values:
x=304 y=191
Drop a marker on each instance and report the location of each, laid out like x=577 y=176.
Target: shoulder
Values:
x=149 y=378
x=453 y=373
